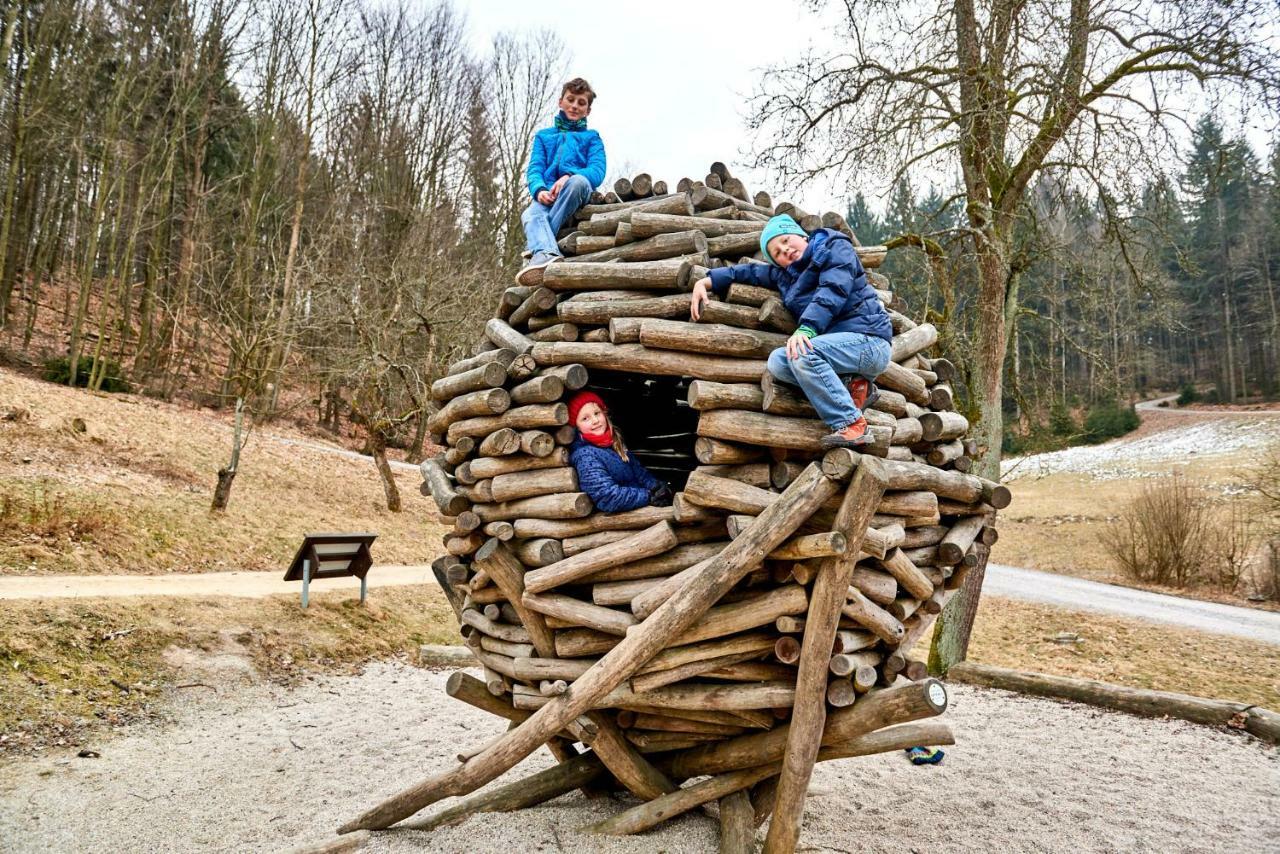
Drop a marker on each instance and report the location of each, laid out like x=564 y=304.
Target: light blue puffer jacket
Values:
x=559 y=152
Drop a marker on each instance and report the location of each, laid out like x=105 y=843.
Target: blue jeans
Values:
x=819 y=372
x=541 y=222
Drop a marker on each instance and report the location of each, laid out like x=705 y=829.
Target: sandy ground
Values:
x=266 y=768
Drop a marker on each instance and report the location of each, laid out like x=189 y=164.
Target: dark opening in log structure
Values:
x=762 y=623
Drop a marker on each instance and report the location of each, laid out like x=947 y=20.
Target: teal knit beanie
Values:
x=781 y=224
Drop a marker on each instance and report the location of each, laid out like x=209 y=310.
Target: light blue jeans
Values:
x=541 y=222
x=824 y=372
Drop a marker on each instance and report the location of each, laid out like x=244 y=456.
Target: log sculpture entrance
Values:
x=768 y=619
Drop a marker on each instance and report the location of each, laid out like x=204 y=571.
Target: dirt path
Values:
x=1168 y=404
x=266 y=769
x=253 y=585
x=1065 y=591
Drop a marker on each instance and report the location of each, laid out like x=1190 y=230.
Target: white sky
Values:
x=674 y=78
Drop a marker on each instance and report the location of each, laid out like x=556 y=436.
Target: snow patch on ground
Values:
x=1142 y=457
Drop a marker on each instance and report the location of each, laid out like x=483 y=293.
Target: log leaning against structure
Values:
x=762 y=623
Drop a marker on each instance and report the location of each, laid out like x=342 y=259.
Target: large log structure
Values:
x=762 y=623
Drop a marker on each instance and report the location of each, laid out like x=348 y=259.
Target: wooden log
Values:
x=898 y=378
x=750 y=295
x=579 y=613
x=463 y=545
x=488 y=467
x=639 y=645
x=502 y=356
x=488 y=375
x=536 y=443
x=657 y=248
x=563 y=529
x=628 y=767
x=504 y=337
x=731 y=315
x=709 y=338
x=753 y=474
x=737 y=824
x=748 y=613
x=756 y=428
x=647 y=543
x=825 y=602
x=569 y=505
x=715 y=452
x=606 y=222
x=521 y=368
x=840 y=693
x=774 y=315
x=602 y=311
x=525 y=484
x=704 y=395
x=907 y=574
x=447 y=498
x=494 y=629
x=879 y=587
x=943 y=426
x=913 y=341
x=660 y=566
x=539 y=552
x=500 y=443
x=726 y=494
x=871 y=616
x=646 y=275
x=635 y=358
x=644 y=224
x=945 y=484
x=486 y=402
x=959 y=538
x=995 y=494
x=539 y=300
x=518 y=418
x=645 y=683
x=944 y=453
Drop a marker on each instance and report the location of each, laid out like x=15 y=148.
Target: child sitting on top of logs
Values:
x=614 y=480
x=567 y=162
x=843 y=340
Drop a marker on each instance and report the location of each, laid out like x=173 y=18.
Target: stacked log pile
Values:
x=764 y=621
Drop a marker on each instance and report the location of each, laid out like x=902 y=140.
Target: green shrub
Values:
x=59 y=371
x=1211 y=396
x=1108 y=420
x=1188 y=394
x=1061 y=422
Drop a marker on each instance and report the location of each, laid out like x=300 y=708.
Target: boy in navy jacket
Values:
x=844 y=332
x=567 y=162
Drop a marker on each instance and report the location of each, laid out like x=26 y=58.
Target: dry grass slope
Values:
x=131 y=492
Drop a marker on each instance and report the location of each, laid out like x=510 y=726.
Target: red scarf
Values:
x=600 y=440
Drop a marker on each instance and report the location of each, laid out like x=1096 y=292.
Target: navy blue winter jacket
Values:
x=613 y=485
x=561 y=152
x=826 y=289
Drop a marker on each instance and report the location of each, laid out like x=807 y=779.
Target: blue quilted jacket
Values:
x=826 y=290
x=560 y=152
x=613 y=485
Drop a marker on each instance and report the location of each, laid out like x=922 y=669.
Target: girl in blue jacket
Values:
x=613 y=479
x=844 y=332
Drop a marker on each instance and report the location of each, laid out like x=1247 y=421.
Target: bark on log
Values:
x=570 y=505
x=488 y=467
x=714 y=452
x=603 y=311
x=525 y=484
x=648 y=275
x=501 y=356
x=539 y=300
x=871 y=616
x=913 y=341
x=519 y=418
x=959 y=538
x=573 y=377
x=712 y=339
x=943 y=426
x=656 y=248
x=488 y=375
x=508 y=576
x=647 y=543
x=704 y=395
x=635 y=358
x=447 y=499
x=492 y=401
x=504 y=337
x=563 y=529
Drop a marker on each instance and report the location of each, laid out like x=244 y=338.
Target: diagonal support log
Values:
x=828 y=595
x=771 y=528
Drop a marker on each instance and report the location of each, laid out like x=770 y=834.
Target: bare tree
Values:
x=1000 y=91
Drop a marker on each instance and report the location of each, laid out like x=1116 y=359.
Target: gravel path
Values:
x=1065 y=591
x=267 y=768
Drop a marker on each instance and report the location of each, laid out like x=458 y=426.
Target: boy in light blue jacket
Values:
x=567 y=162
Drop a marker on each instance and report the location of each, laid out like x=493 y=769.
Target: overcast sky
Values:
x=674 y=78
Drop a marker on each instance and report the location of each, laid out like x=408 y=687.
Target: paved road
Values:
x=252 y=585
x=1064 y=591
x=1168 y=404
x=1011 y=582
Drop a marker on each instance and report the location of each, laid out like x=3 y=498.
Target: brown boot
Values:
x=850 y=437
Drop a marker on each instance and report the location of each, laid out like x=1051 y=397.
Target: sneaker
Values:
x=850 y=437
x=531 y=273
x=863 y=392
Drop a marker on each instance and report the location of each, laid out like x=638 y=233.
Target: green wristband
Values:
x=807 y=332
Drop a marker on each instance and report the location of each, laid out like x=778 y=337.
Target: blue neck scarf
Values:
x=564 y=123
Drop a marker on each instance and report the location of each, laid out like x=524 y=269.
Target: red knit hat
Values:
x=580 y=400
